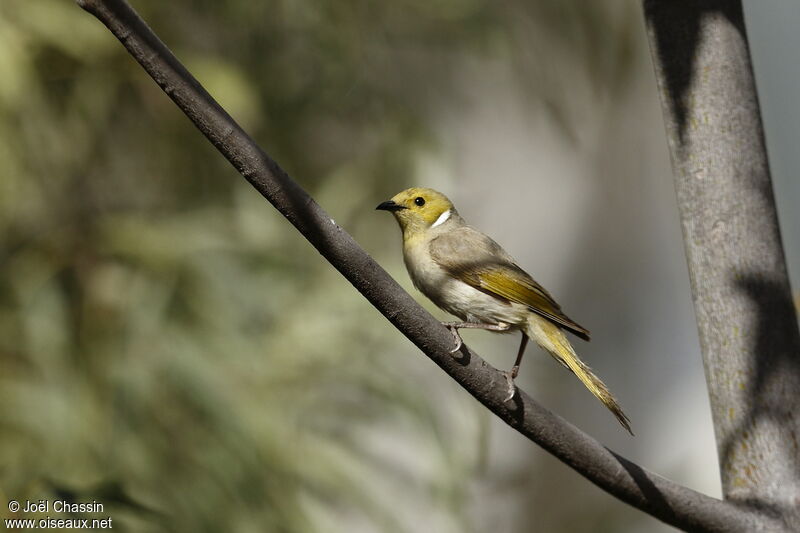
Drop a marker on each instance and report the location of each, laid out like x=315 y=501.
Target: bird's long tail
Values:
x=554 y=341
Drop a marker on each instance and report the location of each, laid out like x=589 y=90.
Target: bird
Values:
x=467 y=274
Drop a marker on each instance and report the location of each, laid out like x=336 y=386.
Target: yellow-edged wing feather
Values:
x=477 y=260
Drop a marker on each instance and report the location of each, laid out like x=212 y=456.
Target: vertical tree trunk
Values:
x=748 y=327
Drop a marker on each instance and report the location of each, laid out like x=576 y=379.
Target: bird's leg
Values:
x=455 y=326
x=512 y=388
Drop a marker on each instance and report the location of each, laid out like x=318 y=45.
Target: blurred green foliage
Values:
x=168 y=344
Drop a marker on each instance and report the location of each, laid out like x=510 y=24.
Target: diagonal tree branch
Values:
x=653 y=494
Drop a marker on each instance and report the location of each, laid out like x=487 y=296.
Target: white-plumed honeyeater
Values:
x=470 y=276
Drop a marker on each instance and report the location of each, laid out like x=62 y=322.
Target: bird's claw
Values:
x=512 y=387
x=457 y=338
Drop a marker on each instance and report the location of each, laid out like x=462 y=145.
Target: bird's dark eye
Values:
x=419 y=200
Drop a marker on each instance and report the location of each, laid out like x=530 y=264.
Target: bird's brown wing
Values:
x=472 y=257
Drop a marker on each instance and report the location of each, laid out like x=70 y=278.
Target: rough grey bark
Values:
x=748 y=327
x=662 y=498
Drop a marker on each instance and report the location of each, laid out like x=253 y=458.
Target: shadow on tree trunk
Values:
x=775 y=345
x=679 y=55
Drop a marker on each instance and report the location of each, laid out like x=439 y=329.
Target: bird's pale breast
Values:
x=455 y=296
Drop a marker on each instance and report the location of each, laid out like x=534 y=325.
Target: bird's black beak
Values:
x=390 y=206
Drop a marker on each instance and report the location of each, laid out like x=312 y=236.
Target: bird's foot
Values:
x=456 y=337
x=454 y=327
x=512 y=387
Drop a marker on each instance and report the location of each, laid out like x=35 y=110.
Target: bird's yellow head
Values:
x=417 y=209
